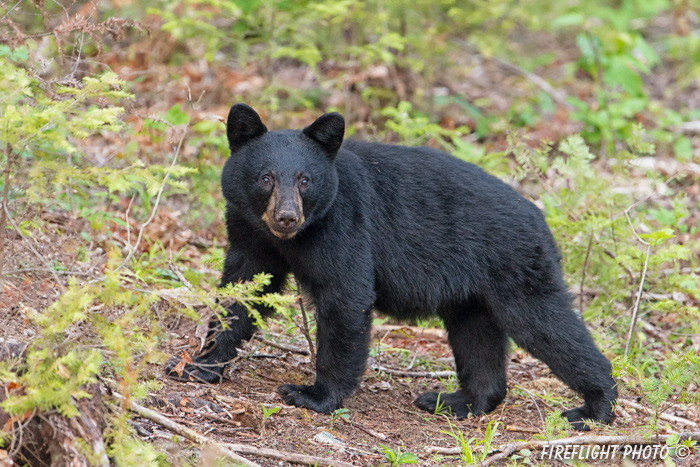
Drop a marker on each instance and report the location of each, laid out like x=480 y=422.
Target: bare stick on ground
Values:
x=662 y=416
x=508 y=449
x=415 y=374
x=287 y=347
x=228 y=449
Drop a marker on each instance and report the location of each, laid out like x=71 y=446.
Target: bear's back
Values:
x=444 y=228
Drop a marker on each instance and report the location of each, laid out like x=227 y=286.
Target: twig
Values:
x=11 y=10
x=620 y=263
x=179 y=429
x=155 y=205
x=228 y=449
x=376 y=434
x=179 y=274
x=5 y=195
x=66 y=273
x=521 y=429
x=416 y=347
x=508 y=449
x=307 y=335
x=411 y=331
x=635 y=313
x=415 y=374
x=287 y=347
x=662 y=416
x=534 y=401
x=31 y=247
x=286 y=456
x=128 y=225
x=220 y=419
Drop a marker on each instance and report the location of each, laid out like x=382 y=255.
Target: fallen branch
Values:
x=409 y=331
x=47 y=271
x=508 y=449
x=581 y=440
x=228 y=449
x=220 y=419
x=662 y=416
x=287 y=347
x=415 y=374
x=376 y=434
x=521 y=429
x=286 y=456
x=179 y=429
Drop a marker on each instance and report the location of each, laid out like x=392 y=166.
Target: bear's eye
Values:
x=266 y=179
x=304 y=181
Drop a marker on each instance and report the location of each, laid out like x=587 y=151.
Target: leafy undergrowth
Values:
x=111 y=146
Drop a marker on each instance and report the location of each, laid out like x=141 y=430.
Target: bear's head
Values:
x=281 y=181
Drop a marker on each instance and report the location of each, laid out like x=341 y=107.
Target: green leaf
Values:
x=656 y=238
x=683 y=149
x=176 y=115
x=569 y=19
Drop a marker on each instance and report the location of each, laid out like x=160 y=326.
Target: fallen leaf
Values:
x=180 y=367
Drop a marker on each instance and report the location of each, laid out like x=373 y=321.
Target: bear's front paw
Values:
x=200 y=370
x=310 y=397
x=577 y=416
x=452 y=403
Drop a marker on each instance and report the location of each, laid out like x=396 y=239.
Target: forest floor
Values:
x=382 y=411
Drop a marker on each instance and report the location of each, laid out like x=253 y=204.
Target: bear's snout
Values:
x=284 y=215
x=287 y=219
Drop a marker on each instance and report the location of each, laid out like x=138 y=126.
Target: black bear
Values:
x=412 y=232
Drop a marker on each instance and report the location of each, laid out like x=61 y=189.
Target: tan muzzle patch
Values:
x=280 y=209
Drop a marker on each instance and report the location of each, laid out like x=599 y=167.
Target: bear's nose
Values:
x=287 y=218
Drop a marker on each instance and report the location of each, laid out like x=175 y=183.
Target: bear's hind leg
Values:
x=546 y=327
x=479 y=347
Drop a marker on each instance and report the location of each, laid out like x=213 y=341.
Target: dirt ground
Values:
x=380 y=413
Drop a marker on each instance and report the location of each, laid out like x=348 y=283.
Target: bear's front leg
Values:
x=343 y=332
x=221 y=343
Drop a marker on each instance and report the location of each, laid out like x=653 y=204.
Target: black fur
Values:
x=413 y=232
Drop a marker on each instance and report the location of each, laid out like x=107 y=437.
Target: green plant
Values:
x=556 y=425
x=395 y=457
x=440 y=407
x=267 y=413
x=338 y=414
x=473 y=451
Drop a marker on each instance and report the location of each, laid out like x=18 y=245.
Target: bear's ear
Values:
x=243 y=124
x=327 y=131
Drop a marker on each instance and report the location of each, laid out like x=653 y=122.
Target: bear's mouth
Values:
x=282 y=232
